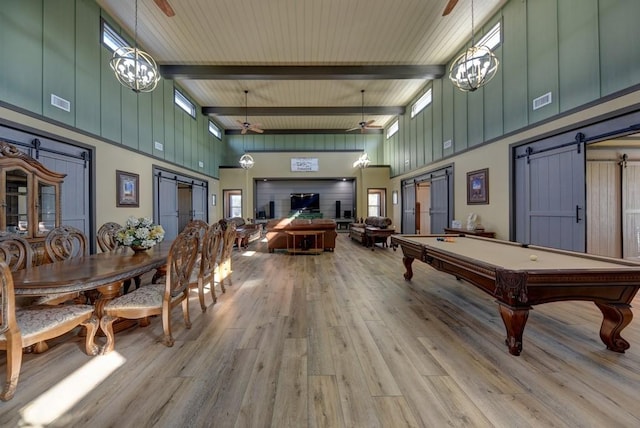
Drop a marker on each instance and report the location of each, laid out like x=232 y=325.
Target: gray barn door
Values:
x=199 y=202
x=409 y=207
x=75 y=188
x=168 y=206
x=439 y=203
x=550 y=197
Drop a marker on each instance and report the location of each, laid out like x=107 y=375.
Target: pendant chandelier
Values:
x=363 y=161
x=134 y=68
x=475 y=67
x=246 y=161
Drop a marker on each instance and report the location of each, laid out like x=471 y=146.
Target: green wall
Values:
x=579 y=50
x=250 y=142
x=54 y=47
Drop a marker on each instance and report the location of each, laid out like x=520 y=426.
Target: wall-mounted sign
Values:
x=304 y=164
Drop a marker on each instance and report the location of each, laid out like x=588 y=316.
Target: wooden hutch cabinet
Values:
x=29 y=195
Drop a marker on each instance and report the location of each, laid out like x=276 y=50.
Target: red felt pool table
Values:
x=506 y=271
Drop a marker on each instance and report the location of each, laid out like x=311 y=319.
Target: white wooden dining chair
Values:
x=157 y=299
x=23 y=327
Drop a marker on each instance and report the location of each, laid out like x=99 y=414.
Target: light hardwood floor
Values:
x=339 y=340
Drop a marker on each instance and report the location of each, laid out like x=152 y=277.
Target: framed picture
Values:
x=394 y=197
x=127 y=189
x=478 y=187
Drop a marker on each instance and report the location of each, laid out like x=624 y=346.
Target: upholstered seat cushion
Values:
x=35 y=320
x=144 y=297
x=380 y=222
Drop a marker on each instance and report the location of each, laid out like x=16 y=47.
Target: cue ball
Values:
x=533 y=257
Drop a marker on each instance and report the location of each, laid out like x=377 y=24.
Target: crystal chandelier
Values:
x=475 y=67
x=134 y=68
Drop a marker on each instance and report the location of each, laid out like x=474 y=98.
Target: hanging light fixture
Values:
x=475 y=67
x=246 y=161
x=135 y=68
x=363 y=161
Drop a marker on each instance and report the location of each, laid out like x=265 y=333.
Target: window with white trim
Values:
x=393 y=129
x=110 y=39
x=213 y=129
x=492 y=38
x=184 y=103
x=422 y=102
x=233 y=203
x=376 y=202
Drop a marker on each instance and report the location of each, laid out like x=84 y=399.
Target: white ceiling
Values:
x=302 y=33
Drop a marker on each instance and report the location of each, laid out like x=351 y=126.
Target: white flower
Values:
x=140 y=232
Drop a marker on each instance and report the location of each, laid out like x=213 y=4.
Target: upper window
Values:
x=422 y=102
x=492 y=38
x=111 y=39
x=184 y=103
x=393 y=129
x=215 y=130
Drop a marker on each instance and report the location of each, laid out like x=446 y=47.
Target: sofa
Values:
x=372 y=230
x=245 y=232
x=279 y=239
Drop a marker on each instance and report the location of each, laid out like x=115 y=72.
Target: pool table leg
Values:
x=616 y=317
x=514 y=322
x=406 y=261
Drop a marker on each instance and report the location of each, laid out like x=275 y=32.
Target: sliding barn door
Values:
x=168 y=206
x=550 y=196
x=440 y=203
x=631 y=210
x=199 y=200
x=409 y=207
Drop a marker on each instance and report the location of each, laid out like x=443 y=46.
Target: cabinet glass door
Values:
x=46 y=208
x=16 y=204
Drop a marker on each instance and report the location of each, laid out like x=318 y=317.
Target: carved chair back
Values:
x=64 y=243
x=106 y=236
x=15 y=251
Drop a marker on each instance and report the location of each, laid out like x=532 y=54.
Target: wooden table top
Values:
x=90 y=272
x=515 y=256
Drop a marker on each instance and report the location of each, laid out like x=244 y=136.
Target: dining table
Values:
x=104 y=272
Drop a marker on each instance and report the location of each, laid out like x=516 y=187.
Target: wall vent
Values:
x=61 y=103
x=542 y=101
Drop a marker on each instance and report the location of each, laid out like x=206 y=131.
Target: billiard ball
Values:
x=533 y=257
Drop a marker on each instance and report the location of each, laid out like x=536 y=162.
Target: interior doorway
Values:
x=178 y=199
x=423 y=208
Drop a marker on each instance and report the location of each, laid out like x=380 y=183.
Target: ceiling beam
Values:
x=302 y=111
x=301 y=72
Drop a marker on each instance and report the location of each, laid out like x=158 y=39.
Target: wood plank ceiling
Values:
x=215 y=50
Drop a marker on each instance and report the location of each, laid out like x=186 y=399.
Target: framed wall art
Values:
x=127 y=189
x=478 y=187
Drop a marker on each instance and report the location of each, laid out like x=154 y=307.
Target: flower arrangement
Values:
x=140 y=233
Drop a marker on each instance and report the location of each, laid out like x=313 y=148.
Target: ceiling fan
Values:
x=449 y=7
x=165 y=7
x=362 y=126
x=246 y=126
